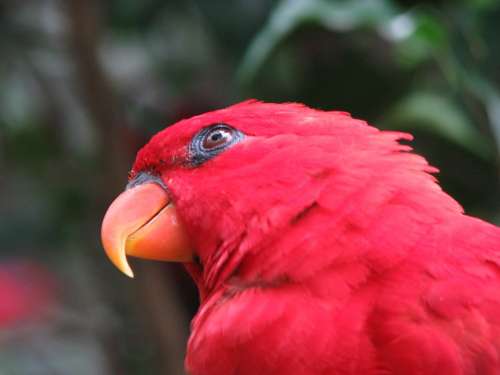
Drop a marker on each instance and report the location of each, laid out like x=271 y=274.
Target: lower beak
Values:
x=142 y=222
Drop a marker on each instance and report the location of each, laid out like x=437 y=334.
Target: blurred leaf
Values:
x=421 y=36
x=20 y=99
x=333 y=15
x=441 y=116
x=482 y=4
x=490 y=97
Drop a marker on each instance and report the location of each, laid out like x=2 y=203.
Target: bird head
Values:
x=235 y=190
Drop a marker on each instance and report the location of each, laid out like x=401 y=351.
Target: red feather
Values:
x=328 y=248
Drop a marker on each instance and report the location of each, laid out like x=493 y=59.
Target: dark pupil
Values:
x=216 y=138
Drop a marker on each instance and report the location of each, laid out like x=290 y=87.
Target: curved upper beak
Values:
x=142 y=222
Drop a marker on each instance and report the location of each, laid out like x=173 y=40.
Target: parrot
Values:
x=319 y=244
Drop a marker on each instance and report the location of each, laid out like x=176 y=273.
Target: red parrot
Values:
x=319 y=245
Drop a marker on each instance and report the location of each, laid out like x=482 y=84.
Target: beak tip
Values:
x=131 y=274
x=122 y=264
x=124 y=267
x=127 y=270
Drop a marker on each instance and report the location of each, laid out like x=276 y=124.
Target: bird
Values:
x=319 y=245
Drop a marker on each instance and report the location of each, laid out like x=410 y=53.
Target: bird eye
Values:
x=211 y=141
x=217 y=137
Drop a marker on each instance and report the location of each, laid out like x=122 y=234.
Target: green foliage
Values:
x=423 y=41
x=440 y=115
x=290 y=14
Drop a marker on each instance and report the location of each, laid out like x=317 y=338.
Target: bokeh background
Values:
x=85 y=83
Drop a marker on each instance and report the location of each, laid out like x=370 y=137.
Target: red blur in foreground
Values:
x=27 y=291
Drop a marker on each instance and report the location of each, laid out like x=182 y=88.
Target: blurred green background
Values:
x=85 y=83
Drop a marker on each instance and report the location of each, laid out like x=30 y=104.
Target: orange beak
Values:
x=142 y=222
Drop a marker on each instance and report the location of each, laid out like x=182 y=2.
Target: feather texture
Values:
x=328 y=248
